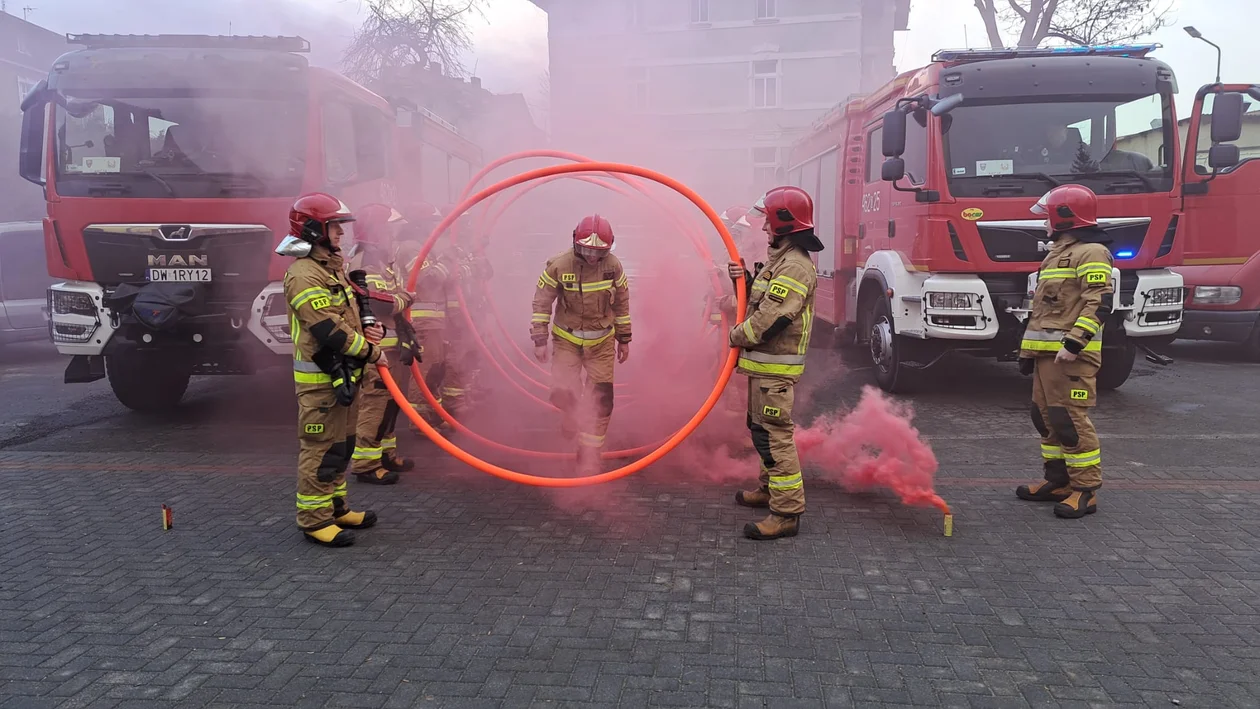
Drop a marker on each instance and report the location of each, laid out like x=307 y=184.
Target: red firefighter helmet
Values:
x=312 y=213
x=420 y=211
x=373 y=223
x=593 y=236
x=1068 y=207
x=732 y=216
x=788 y=210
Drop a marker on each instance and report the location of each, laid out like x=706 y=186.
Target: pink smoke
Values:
x=874 y=445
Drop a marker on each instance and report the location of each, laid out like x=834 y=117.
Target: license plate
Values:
x=179 y=275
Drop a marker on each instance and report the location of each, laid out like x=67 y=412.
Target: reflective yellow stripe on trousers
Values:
x=762 y=363
x=582 y=338
x=1052 y=340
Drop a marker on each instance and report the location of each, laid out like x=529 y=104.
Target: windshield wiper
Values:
x=1122 y=173
x=169 y=190
x=1012 y=188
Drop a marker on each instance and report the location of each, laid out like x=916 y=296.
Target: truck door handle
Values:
x=862 y=230
x=892 y=228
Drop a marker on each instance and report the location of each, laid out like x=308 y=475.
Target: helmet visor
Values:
x=1040 y=208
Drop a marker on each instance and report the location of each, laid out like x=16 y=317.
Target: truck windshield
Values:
x=1009 y=149
x=176 y=144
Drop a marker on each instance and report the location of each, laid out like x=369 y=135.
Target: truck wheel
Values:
x=1116 y=367
x=147 y=382
x=884 y=348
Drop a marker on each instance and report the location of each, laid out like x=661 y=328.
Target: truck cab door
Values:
x=1221 y=175
x=873 y=219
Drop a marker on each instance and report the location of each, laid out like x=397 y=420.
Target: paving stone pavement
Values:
x=472 y=592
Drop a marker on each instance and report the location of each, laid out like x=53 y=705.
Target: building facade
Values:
x=711 y=91
x=27 y=52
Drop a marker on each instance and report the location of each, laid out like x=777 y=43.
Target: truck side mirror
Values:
x=34 y=118
x=1227 y=117
x=894 y=139
x=1223 y=155
x=947 y=104
x=893 y=169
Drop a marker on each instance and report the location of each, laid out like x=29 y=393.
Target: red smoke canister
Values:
x=168 y=517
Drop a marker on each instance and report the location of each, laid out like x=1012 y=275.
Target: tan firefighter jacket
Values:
x=384 y=279
x=1072 y=300
x=592 y=301
x=435 y=297
x=775 y=333
x=322 y=313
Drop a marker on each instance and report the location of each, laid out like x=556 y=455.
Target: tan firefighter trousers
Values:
x=1062 y=396
x=432 y=351
x=377 y=418
x=586 y=408
x=770 y=421
x=325 y=440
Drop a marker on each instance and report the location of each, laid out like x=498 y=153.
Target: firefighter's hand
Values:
x=735 y=270
x=1026 y=366
x=374 y=334
x=623 y=351
x=540 y=353
x=1064 y=356
x=382 y=362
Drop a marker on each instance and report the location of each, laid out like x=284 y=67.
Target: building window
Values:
x=639 y=97
x=24 y=88
x=765 y=84
x=699 y=10
x=765 y=166
x=767 y=9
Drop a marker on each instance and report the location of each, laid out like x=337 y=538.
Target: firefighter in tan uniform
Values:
x=774 y=338
x=1062 y=349
x=591 y=294
x=375 y=459
x=428 y=307
x=330 y=350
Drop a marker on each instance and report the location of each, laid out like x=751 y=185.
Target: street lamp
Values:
x=1197 y=35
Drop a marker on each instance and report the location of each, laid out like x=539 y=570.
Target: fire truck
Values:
x=1218 y=192
x=169 y=164
x=924 y=188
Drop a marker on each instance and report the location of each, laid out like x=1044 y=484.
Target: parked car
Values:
x=24 y=282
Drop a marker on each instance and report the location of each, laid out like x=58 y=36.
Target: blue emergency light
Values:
x=1124 y=254
x=1106 y=50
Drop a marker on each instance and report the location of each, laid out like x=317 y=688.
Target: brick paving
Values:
x=477 y=593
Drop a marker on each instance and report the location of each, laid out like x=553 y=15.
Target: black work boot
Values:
x=1077 y=505
x=1055 y=488
x=380 y=476
x=773 y=527
x=753 y=498
x=396 y=464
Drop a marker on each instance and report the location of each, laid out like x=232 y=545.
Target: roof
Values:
x=29 y=45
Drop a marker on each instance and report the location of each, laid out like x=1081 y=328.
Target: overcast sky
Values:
x=511 y=51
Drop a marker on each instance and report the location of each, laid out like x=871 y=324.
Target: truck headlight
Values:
x=275 y=319
x=1165 y=296
x=949 y=301
x=70 y=303
x=1217 y=295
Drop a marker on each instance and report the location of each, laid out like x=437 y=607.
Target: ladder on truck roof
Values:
x=190 y=41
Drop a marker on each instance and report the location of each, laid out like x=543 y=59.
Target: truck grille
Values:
x=236 y=256
x=1020 y=241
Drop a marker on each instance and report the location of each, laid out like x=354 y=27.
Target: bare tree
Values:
x=1074 y=21
x=402 y=33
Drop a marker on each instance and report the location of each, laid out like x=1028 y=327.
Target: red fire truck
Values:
x=169 y=164
x=1220 y=187
x=924 y=189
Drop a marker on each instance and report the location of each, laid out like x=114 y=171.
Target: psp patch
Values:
x=314 y=429
x=568 y=277
x=773 y=412
x=777 y=292
x=320 y=303
x=1096 y=277
x=1080 y=395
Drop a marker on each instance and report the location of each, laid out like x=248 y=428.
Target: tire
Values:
x=148 y=382
x=1116 y=367
x=884 y=348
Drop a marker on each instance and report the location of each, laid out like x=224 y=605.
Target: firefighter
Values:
x=330 y=350
x=375 y=458
x=480 y=274
x=591 y=294
x=774 y=338
x=1062 y=349
x=736 y=224
x=434 y=288
x=461 y=351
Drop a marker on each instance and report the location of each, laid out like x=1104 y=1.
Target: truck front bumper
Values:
x=1218 y=325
